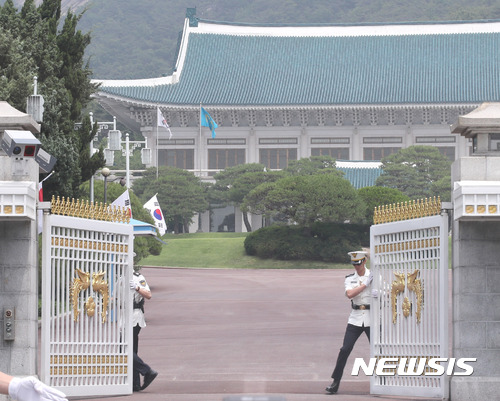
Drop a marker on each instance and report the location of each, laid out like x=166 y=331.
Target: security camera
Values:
x=20 y=144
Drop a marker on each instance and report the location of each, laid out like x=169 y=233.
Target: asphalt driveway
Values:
x=247 y=335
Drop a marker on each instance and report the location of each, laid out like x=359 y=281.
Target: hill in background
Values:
x=138 y=39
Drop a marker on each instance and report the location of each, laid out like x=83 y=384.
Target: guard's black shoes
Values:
x=136 y=388
x=148 y=378
x=333 y=388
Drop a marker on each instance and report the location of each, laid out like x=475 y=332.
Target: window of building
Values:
x=277 y=158
x=226 y=141
x=448 y=151
x=330 y=140
x=378 y=153
x=219 y=159
x=435 y=139
x=164 y=141
x=222 y=219
x=180 y=158
x=382 y=139
x=336 y=153
x=278 y=141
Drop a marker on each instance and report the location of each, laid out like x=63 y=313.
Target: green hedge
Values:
x=328 y=242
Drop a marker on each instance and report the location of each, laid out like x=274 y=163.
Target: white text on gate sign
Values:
x=414 y=366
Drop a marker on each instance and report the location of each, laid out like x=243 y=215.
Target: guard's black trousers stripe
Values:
x=351 y=335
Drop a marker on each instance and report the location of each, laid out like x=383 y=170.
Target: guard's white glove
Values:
x=132 y=285
x=374 y=293
x=369 y=279
x=32 y=389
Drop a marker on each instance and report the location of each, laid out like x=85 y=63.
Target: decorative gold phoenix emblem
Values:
x=81 y=283
x=414 y=284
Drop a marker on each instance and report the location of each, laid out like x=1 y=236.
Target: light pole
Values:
x=105 y=173
x=102 y=125
x=115 y=143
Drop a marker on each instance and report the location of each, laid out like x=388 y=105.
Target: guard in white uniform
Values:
x=357 y=290
x=141 y=292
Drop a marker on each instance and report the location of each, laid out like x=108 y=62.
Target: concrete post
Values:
x=18 y=252
x=476 y=256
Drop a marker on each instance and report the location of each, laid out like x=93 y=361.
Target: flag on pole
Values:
x=207 y=121
x=162 y=122
x=40 y=199
x=123 y=201
x=153 y=207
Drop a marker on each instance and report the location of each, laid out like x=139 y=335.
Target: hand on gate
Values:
x=132 y=285
x=368 y=280
x=32 y=389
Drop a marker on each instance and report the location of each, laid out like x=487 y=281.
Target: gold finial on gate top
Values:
x=72 y=207
x=405 y=211
x=375 y=215
x=408 y=210
x=127 y=215
x=93 y=210
x=64 y=207
x=100 y=212
x=89 y=210
x=415 y=209
x=106 y=213
x=53 y=205
x=77 y=208
x=392 y=212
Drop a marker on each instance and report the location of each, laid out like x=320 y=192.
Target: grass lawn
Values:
x=220 y=250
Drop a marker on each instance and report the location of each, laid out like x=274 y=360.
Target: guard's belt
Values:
x=139 y=305
x=362 y=307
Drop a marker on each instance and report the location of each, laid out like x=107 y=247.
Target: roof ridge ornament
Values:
x=191 y=15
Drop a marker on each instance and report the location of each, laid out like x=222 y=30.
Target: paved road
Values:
x=254 y=335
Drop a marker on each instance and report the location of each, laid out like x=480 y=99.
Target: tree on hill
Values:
x=418 y=172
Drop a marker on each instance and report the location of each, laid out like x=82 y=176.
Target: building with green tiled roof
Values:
x=279 y=93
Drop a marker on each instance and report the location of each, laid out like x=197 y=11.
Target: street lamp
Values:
x=105 y=173
x=115 y=143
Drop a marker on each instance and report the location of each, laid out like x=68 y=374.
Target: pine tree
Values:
x=31 y=45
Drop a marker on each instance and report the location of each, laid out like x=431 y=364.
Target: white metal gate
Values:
x=87 y=264
x=409 y=260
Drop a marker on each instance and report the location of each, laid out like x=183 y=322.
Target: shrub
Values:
x=327 y=242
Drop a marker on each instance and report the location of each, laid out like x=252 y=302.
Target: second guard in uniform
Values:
x=141 y=292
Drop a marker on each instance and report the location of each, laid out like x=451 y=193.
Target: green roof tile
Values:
x=269 y=70
x=361 y=177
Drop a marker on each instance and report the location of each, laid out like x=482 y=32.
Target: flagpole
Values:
x=200 y=143
x=157 y=162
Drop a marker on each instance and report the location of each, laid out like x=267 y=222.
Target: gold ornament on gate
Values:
x=397 y=287
x=82 y=283
x=413 y=284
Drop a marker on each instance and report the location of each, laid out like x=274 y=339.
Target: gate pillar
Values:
x=18 y=250
x=476 y=255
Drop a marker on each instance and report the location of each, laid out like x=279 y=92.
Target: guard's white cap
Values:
x=357 y=257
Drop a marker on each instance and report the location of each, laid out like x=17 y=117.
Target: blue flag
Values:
x=208 y=121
